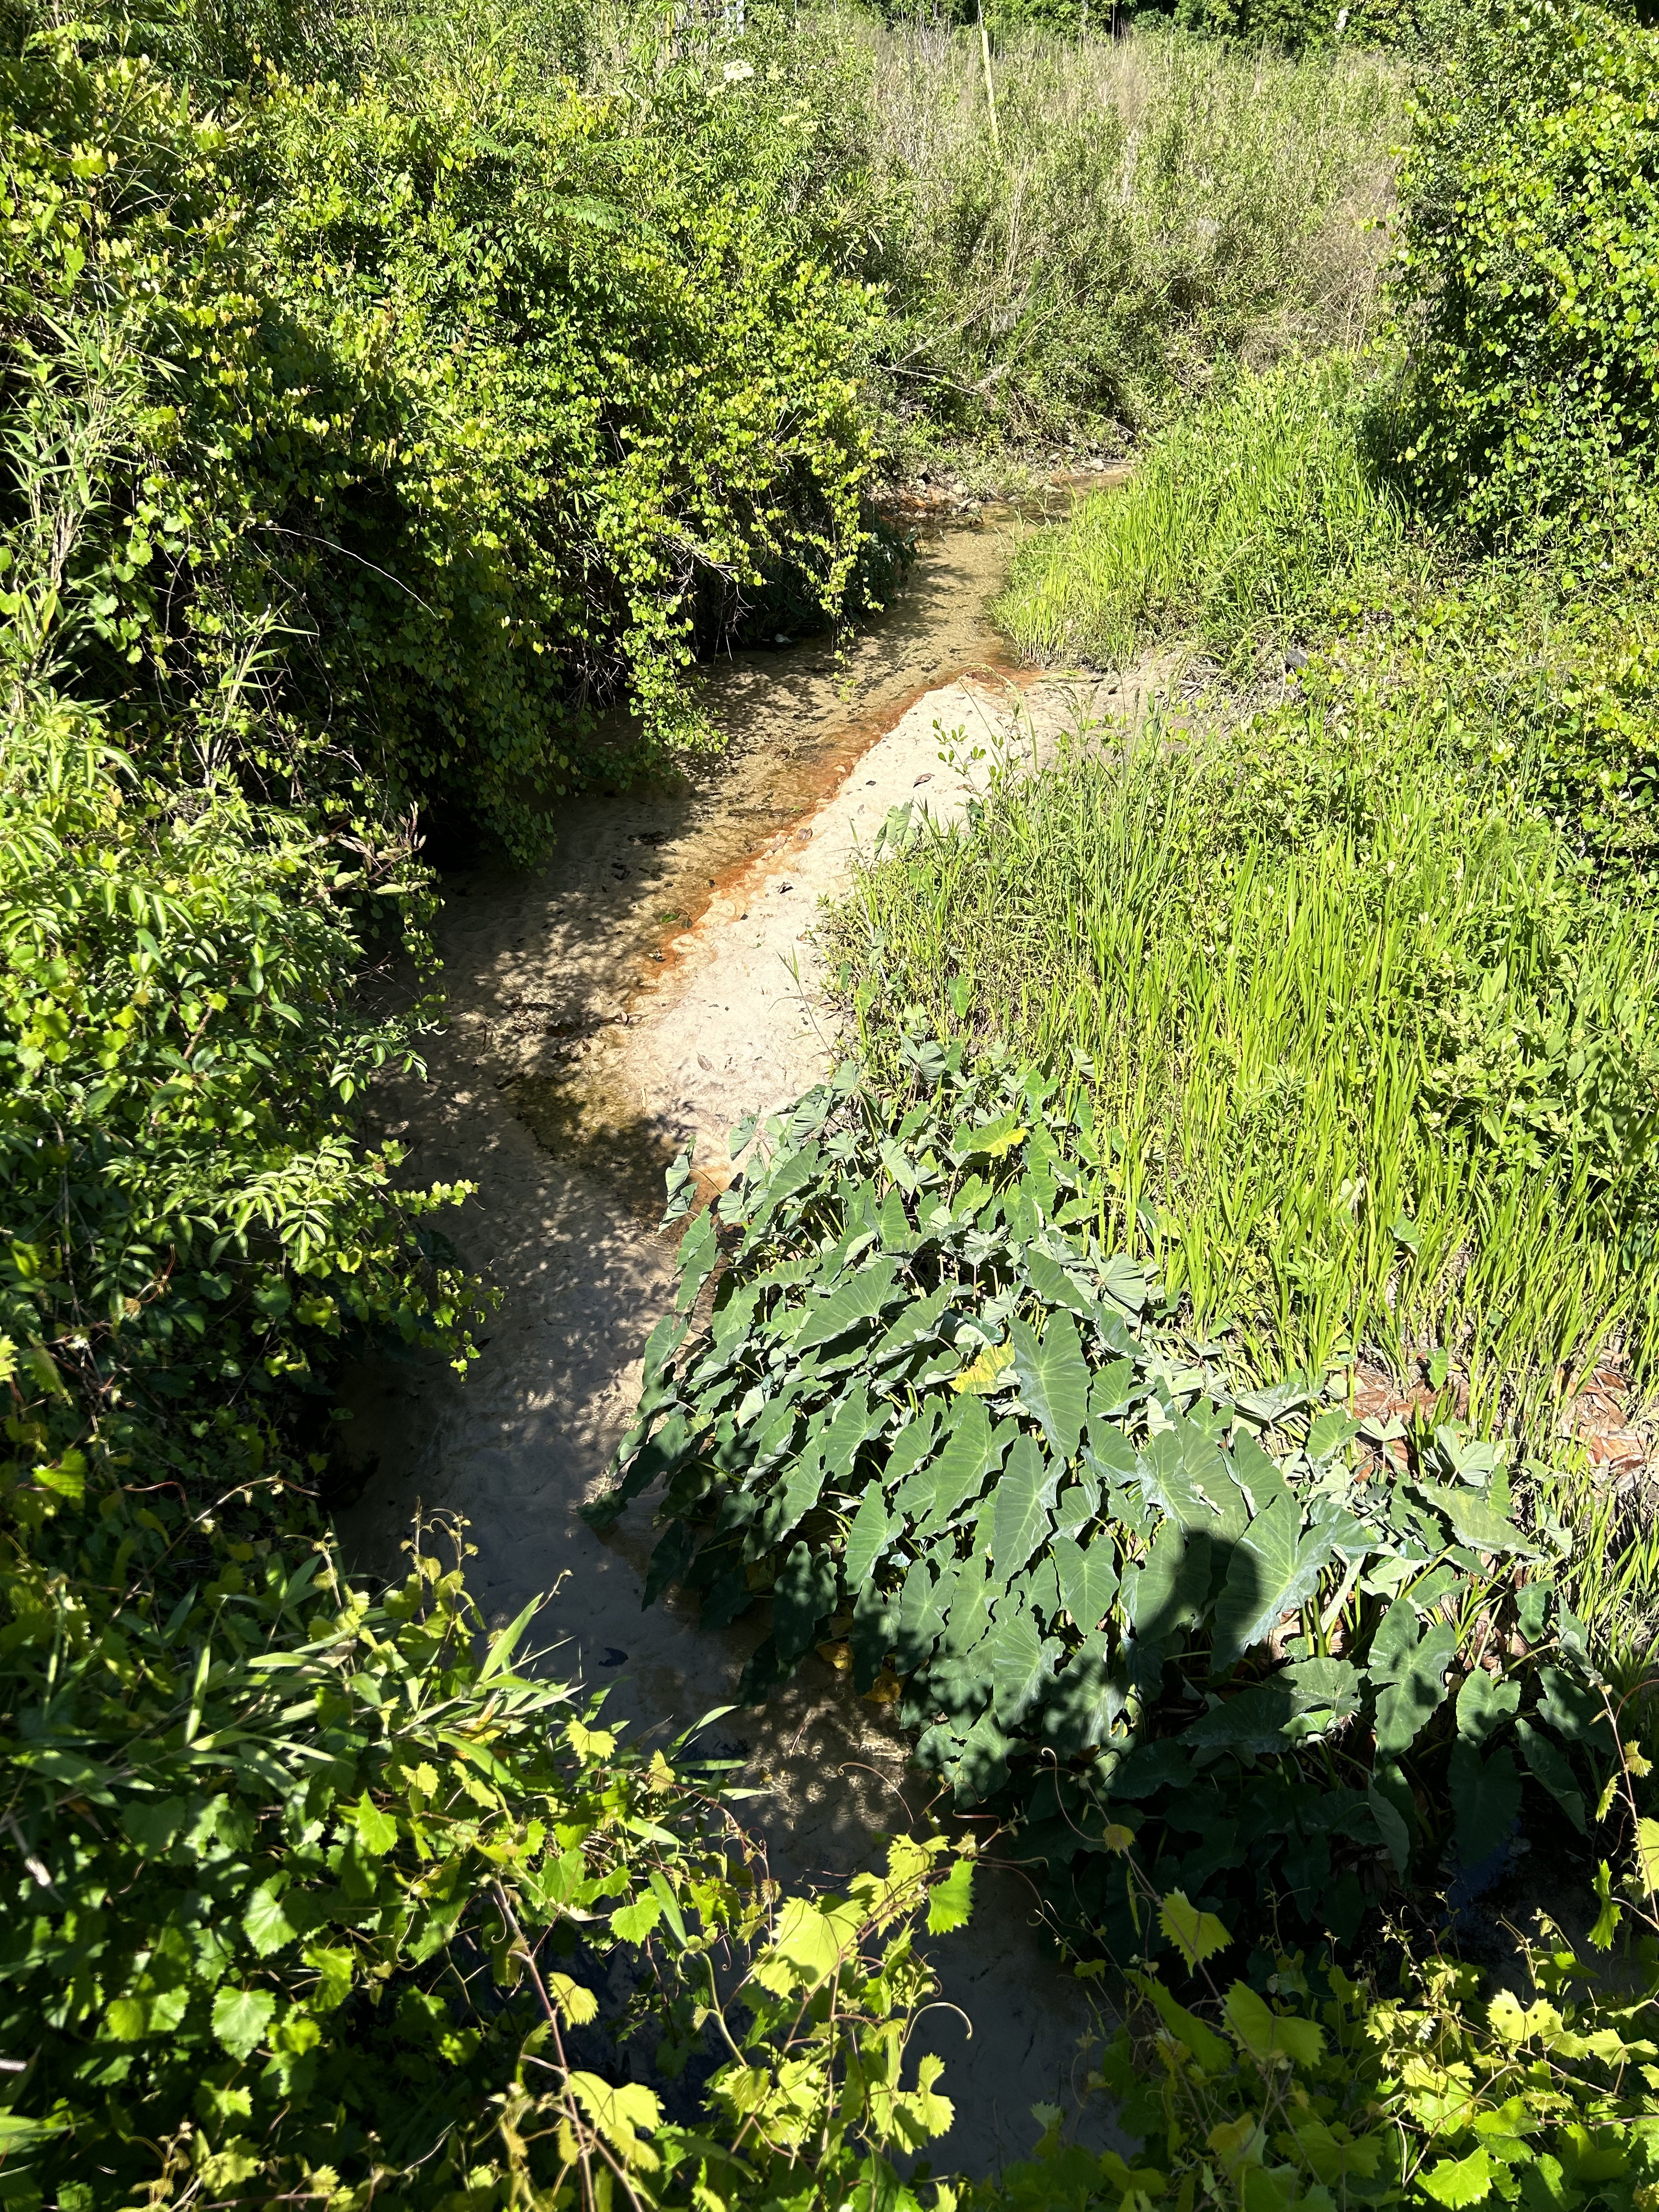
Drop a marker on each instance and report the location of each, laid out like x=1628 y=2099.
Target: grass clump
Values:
x=1237 y=526
x=1374 y=1051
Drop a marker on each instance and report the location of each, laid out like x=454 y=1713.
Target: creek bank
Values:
x=653 y=982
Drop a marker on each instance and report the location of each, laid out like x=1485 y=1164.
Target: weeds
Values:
x=1235 y=528
x=1155 y=203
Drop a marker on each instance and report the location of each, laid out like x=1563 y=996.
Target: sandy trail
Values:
x=654 y=981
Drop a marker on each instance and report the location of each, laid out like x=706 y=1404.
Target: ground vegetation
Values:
x=388 y=400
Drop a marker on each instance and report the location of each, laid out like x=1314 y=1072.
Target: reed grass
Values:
x=1371 y=1049
x=1153 y=204
x=1235 y=529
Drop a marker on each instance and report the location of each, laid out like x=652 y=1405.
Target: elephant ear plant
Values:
x=931 y=1413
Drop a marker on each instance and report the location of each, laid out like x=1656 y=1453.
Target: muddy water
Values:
x=652 y=983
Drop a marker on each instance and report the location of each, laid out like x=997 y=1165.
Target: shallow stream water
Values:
x=652 y=983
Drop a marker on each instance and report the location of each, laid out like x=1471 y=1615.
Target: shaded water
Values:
x=576 y=1057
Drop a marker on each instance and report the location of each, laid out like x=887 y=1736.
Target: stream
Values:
x=652 y=983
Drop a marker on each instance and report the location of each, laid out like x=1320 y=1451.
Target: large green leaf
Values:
x=804 y=1595
x=1053 y=1380
x=1167 y=1591
x=1484 y=1703
x=1020 y=1515
x=1087 y=1578
x=911 y=1446
x=1485 y=1795
x=924 y=1603
x=1550 y=1766
x=1416 y=1690
x=1021 y=1663
x=871 y=1531
x=861 y=1298
x=1272 y=1569
x=1474 y=1523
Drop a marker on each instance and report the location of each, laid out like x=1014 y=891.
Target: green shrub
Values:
x=1526 y=269
x=324 y=1899
x=1237 y=528
x=1317 y=2089
x=500 y=404
x=934 y=1412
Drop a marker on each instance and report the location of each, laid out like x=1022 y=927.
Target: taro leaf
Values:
x=1254 y=1720
x=1054 y=1286
x=871 y=1531
x=1020 y=1503
x=861 y=1298
x=975 y=1595
x=1256 y=1475
x=1082 y=1700
x=1168 y=1591
x=789 y=1176
x=1391 y=1827
x=804 y=1595
x=660 y=1455
x=1110 y=1394
x=1485 y=1795
x=1297 y=1702
x=1109 y=1452
x=1021 y=1663
x=1088 y=1579
x=1272 y=1569
x=1532 y=1610
x=1079 y=1503
x=1053 y=1379
x=727 y=1600
x=856 y=1420
x=924 y=1606
x=669 y=1561
x=910 y=1447
x=694 y=1261
x=1473 y=1522
x=989 y=1372
x=969 y=1449
x=1125 y=1283
x=983 y=1766
x=1572 y=1710
x=1484 y=1703
x=1549 y=1766
x=1267 y=1406
x=991 y=1140
x=1410 y=1700
x=917 y=1322
x=875 y=1616
x=1183 y=1473
x=800 y=1490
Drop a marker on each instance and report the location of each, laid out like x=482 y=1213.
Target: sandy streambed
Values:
x=654 y=981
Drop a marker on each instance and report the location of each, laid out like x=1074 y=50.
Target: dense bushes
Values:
x=451 y=413
x=938 y=1413
x=1527 y=271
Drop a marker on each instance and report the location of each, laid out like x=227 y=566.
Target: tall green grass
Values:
x=1376 y=1059
x=1152 y=205
x=1236 y=525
